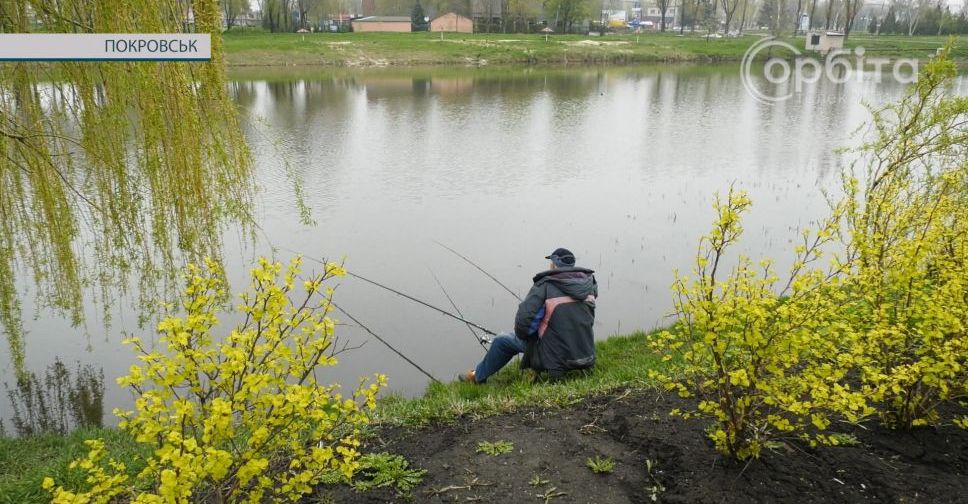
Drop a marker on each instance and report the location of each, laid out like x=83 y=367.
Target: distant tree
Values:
x=872 y=26
x=490 y=9
x=663 y=6
x=829 y=18
x=417 y=17
x=682 y=16
x=702 y=10
x=773 y=14
x=852 y=8
x=302 y=10
x=889 y=23
x=742 y=21
x=813 y=9
x=567 y=12
x=910 y=13
x=231 y=9
x=950 y=23
x=766 y=13
x=438 y=7
x=707 y=17
x=729 y=9
x=521 y=12
x=320 y=10
x=277 y=15
x=397 y=8
x=687 y=14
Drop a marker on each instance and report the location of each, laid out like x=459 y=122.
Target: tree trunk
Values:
x=695 y=16
x=914 y=19
x=849 y=19
x=742 y=21
x=682 y=19
x=779 y=13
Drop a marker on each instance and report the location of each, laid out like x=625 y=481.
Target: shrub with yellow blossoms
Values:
x=908 y=223
x=243 y=419
x=755 y=353
x=882 y=330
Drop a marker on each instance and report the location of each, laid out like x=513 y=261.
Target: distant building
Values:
x=824 y=42
x=638 y=13
x=654 y=14
x=382 y=24
x=452 y=22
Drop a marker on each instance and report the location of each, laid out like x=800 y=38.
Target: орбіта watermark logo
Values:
x=780 y=79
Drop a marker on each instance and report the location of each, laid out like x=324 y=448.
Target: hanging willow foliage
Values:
x=112 y=172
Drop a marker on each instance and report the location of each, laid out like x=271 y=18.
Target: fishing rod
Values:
x=381 y=340
x=472 y=263
x=479 y=339
x=428 y=305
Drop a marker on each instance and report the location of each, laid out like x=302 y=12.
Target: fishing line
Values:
x=472 y=263
x=428 y=305
x=381 y=340
x=479 y=339
x=395 y=291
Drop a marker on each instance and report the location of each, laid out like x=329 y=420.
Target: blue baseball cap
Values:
x=562 y=257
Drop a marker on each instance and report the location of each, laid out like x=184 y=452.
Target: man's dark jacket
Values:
x=556 y=318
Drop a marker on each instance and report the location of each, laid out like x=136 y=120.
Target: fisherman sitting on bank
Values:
x=553 y=326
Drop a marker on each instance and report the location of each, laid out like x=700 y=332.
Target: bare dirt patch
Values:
x=597 y=43
x=634 y=429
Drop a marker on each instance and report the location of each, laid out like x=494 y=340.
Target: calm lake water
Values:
x=504 y=165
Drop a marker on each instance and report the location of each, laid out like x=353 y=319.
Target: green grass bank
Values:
x=258 y=48
x=623 y=361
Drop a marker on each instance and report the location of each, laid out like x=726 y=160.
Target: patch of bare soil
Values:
x=665 y=458
x=597 y=43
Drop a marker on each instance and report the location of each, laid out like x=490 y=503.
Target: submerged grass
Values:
x=623 y=361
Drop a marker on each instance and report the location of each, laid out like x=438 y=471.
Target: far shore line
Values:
x=377 y=50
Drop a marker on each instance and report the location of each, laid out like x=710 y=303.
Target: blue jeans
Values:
x=504 y=347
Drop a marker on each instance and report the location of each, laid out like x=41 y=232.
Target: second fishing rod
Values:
x=414 y=299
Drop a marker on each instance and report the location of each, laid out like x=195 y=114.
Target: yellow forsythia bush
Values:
x=242 y=419
x=756 y=353
x=908 y=228
x=882 y=330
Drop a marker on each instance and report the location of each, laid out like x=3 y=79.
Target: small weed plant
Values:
x=379 y=470
x=655 y=488
x=550 y=494
x=600 y=465
x=537 y=481
x=496 y=448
